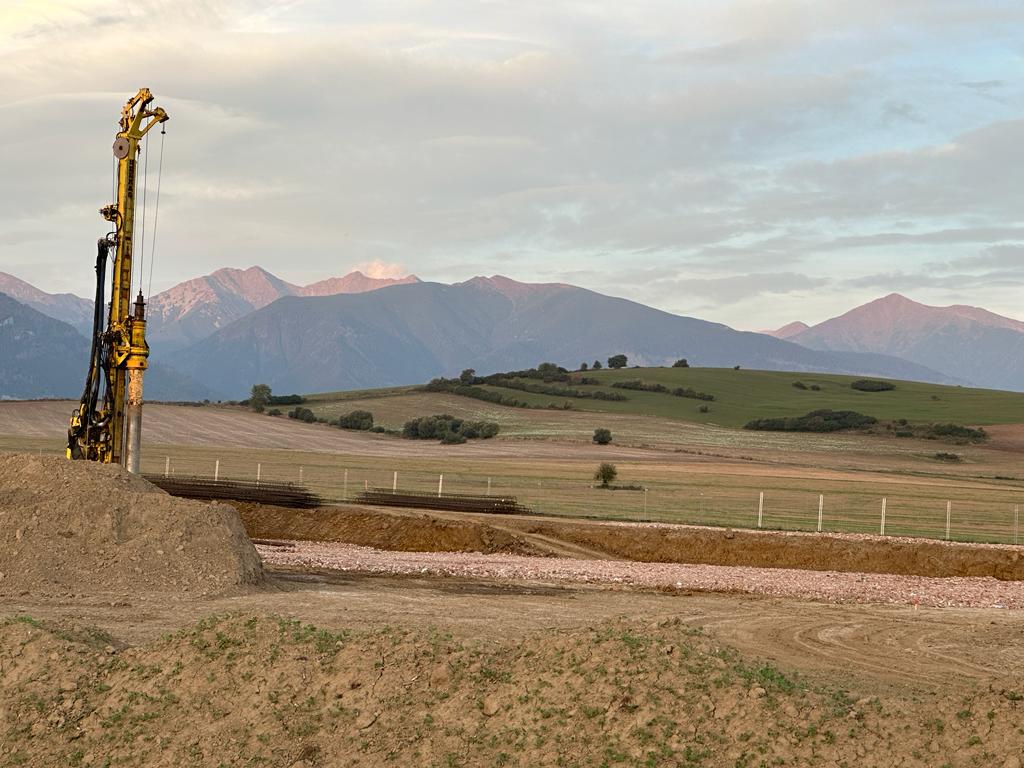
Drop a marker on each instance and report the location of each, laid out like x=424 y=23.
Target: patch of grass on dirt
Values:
x=269 y=690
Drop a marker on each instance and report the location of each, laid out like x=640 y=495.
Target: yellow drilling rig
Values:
x=107 y=425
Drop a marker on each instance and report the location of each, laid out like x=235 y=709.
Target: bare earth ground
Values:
x=466 y=660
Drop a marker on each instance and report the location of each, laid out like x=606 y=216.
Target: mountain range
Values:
x=216 y=335
x=959 y=341
x=191 y=311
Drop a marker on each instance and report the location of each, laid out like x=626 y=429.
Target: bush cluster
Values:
x=448 y=429
x=302 y=414
x=286 y=400
x=958 y=431
x=356 y=420
x=824 y=420
x=542 y=389
x=872 y=385
x=647 y=386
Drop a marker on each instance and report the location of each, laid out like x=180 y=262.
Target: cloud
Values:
x=739 y=152
x=381 y=270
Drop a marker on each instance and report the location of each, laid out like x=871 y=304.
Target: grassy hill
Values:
x=742 y=395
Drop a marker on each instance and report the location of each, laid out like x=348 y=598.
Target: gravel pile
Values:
x=830 y=586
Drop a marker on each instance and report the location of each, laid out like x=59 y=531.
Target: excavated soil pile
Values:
x=247 y=690
x=81 y=528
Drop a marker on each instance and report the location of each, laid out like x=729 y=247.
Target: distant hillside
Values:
x=193 y=310
x=739 y=396
x=66 y=307
x=43 y=357
x=410 y=333
x=964 y=342
x=39 y=356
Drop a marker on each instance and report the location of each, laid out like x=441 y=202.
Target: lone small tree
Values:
x=583 y=366
x=602 y=436
x=617 y=361
x=259 y=397
x=597 y=365
x=606 y=472
x=681 y=363
x=468 y=376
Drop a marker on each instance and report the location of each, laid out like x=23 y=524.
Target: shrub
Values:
x=617 y=361
x=681 y=363
x=583 y=366
x=274 y=412
x=815 y=388
x=872 y=385
x=704 y=409
x=596 y=366
x=824 y=420
x=799 y=385
x=259 y=397
x=602 y=436
x=302 y=414
x=356 y=420
x=286 y=400
x=606 y=472
x=958 y=431
x=952 y=457
x=448 y=429
x=693 y=394
x=640 y=386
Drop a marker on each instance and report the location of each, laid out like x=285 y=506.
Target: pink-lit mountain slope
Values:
x=788 y=331
x=66 y=307
x=965 y=343
x=193 y=310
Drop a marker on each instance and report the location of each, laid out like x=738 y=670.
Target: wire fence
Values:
x=958 y=513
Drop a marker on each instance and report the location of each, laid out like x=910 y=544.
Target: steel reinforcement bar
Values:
x=278 y=494
x=449 y=502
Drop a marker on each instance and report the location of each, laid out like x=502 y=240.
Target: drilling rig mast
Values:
x=108 y=428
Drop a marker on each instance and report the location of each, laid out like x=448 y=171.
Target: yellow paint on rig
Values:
x=98 y=433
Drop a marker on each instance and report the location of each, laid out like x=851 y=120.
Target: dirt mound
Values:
x=247 y=689
x=401 y=532
x=84 y=528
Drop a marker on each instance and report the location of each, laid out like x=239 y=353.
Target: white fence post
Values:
x=821 y=508
x=440 y=484
x=1016 y=521
x=488 y=486
x=645 y=502
x=394 y=482
x=167 y=466
x=344 y=488
x=882 y=530
x=760 y=509
x=259 y=472
x=216 y=471
x=949 y=511
x=300 y=474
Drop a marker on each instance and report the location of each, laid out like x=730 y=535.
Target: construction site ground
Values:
x=329 y=668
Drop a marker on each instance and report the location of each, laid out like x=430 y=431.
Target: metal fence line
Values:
x=937 y=512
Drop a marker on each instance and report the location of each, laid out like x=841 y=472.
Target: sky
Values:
x=750 y=162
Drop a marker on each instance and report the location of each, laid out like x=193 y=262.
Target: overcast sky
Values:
x=748 y=162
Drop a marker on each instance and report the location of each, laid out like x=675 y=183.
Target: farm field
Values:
x=742 y=395
x=677 y=472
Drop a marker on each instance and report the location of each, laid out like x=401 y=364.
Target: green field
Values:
x=744 y=395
